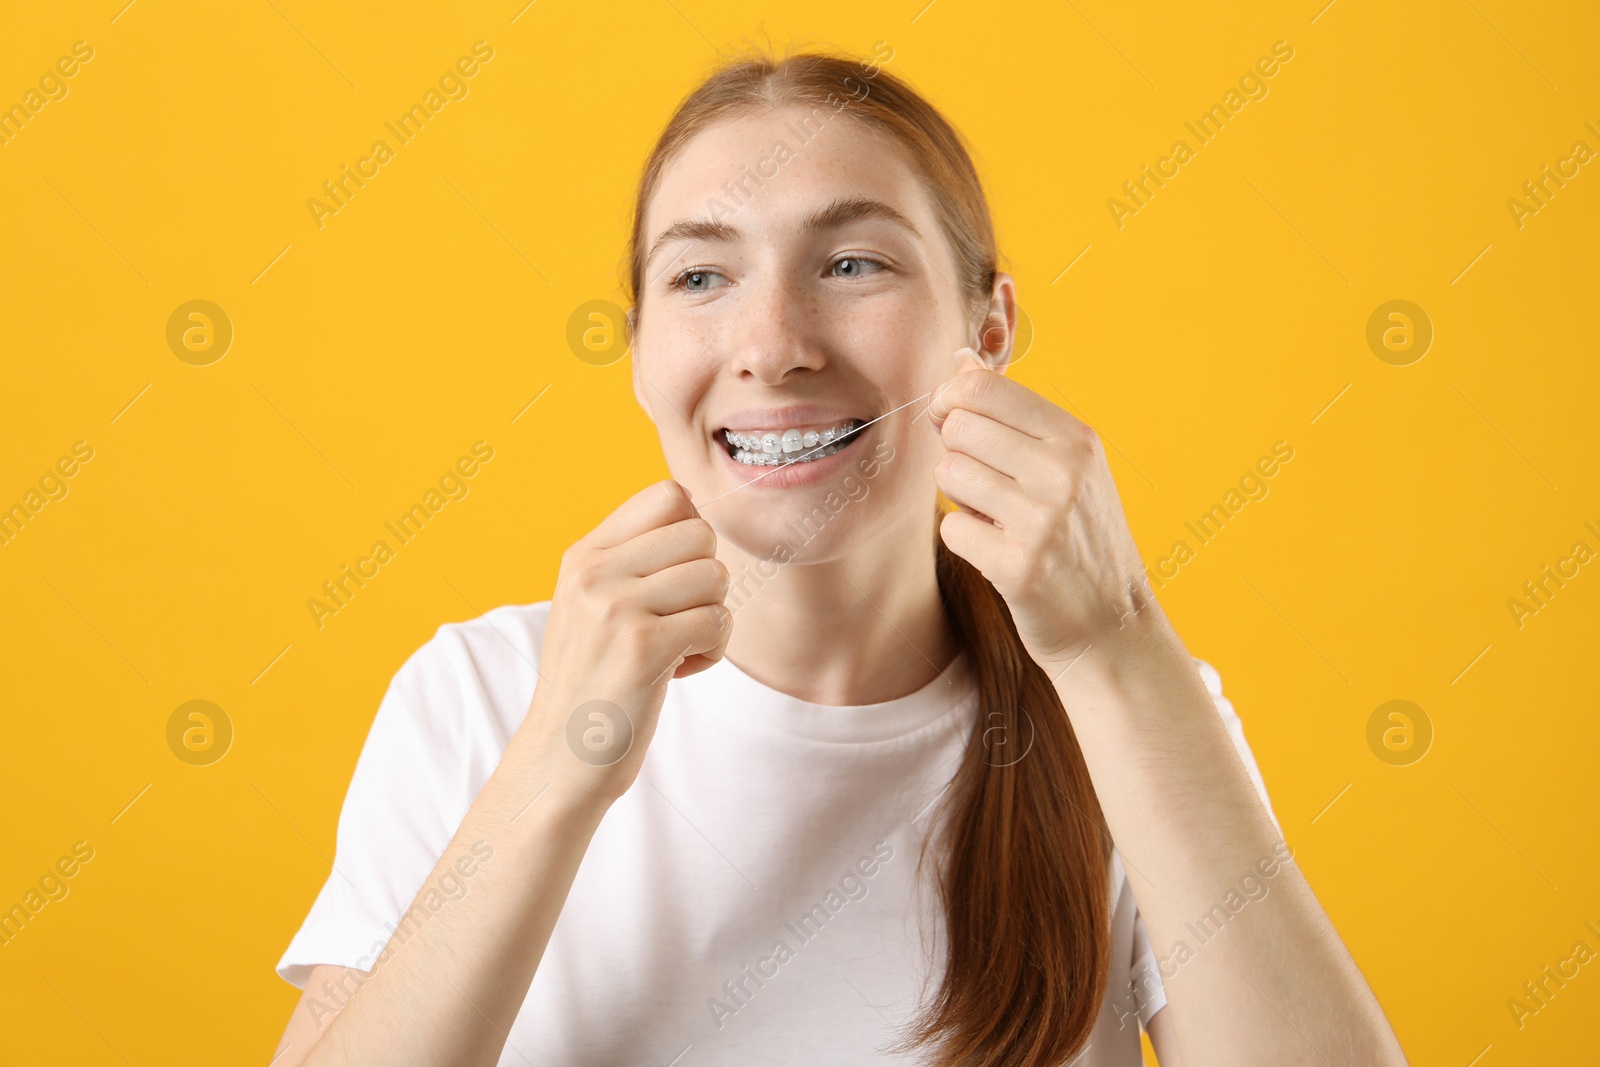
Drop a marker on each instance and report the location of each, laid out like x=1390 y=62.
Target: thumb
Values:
x=938 y=411
x=970 y=360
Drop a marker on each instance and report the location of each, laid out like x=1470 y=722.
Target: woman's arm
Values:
x=327 y=985
x=449 y=993
x=1041 y=519
x=638 y=601
x=1271 y=982
x=1163 y=1040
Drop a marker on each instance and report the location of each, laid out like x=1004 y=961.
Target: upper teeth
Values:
x=774 y=442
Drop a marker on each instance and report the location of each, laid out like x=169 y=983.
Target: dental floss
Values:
x=776 y=469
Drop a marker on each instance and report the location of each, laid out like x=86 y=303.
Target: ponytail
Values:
x=1024 y=860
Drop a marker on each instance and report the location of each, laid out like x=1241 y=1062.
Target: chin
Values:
x=795 y=534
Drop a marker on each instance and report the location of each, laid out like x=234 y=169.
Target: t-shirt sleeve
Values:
x=1144 y=971
x=406 y=798
x=1144 y=975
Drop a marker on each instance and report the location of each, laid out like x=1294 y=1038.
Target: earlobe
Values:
x=998 y=333
x=638 y=384
x=630 y=320
x=993 y=344
x=638 y=389
x=992 y=340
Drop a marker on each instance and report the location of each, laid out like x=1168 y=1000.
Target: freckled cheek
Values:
x=887 y=342
x=676 y=373
x=697 y=349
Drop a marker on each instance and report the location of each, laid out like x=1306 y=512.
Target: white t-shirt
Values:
x=747 y=900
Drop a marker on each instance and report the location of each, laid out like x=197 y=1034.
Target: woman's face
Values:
x=794 y=287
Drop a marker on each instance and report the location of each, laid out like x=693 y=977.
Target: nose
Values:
x=775 y=332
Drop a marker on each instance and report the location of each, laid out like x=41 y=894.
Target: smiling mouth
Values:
x=777 y=448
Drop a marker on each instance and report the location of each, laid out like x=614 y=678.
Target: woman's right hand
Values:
x=638 y=602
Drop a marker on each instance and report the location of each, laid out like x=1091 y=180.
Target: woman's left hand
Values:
x=1040 y=514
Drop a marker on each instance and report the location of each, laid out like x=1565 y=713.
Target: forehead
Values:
x=760 y=172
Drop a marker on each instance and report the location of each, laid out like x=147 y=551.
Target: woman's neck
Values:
x=864 y=628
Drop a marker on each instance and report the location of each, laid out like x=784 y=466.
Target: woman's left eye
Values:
x=855 y=266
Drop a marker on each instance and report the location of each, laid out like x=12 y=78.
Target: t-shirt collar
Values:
x=726 y=690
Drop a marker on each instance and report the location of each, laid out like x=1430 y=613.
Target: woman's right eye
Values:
x=696 y=280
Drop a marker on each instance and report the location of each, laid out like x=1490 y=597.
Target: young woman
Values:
x=797 y=765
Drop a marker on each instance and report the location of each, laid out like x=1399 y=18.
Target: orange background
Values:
x=1229 y=313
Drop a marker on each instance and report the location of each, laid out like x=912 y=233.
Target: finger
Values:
x=978 y=486
x=1008 y=450
x=654 y=505
x=1000 y=398
x=939 y=407
x=974 y=540
x=694 y=584
x=667 y=546
x=695 y=664
x=698 y=631
x=700 y=661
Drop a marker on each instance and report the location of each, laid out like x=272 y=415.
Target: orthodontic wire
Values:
x=781 y=466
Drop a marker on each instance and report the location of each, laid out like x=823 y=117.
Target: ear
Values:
x=997 y=333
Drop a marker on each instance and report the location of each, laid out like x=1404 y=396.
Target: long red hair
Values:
x=1023 y=852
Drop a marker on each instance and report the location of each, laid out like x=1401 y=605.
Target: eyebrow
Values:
x=843 y=210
